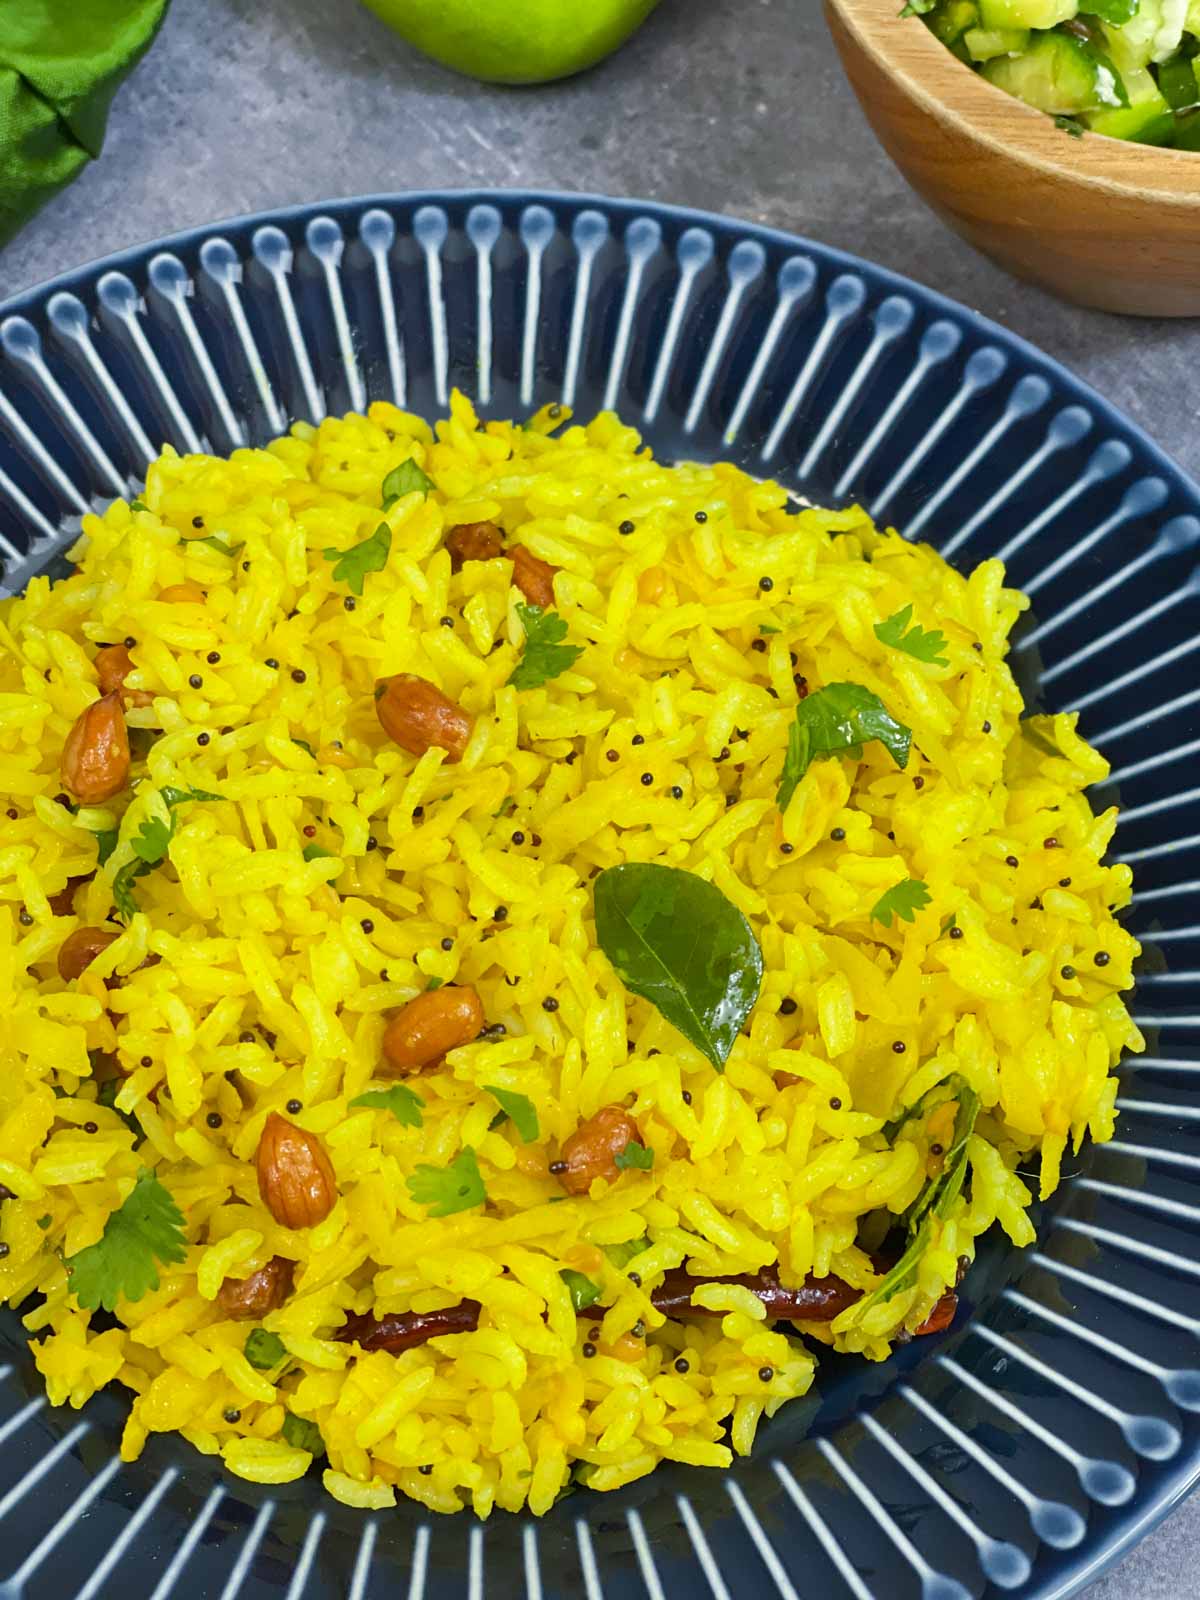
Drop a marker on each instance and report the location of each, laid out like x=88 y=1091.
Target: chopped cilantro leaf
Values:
x=123 y=1263
x=106 y=843
x=520 y=1108
x=925 y=645
x=302 y=1434
x=315 y=852
x=398 y=1098
x=263 y=1350
x=138 y=505
x=368 y=555
x=122 y=888
x=950 y=922
x=584 y=1292
x=403 y=480
x=914 y=641
x=445 y=1190
x=434 y=983
x=935 y=1200
x=634 y=1155
x=838 y=720
x=149 y=846
x=176 y=797
x=545 y=655
x=150 y=842
x=766 y=627
x=305 y=746
x=902 y=900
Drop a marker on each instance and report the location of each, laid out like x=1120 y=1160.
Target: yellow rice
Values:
x=257 y=943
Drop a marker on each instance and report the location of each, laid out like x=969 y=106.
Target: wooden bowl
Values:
x=1096 y=220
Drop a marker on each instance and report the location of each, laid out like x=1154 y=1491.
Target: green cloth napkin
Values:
x=61 y=62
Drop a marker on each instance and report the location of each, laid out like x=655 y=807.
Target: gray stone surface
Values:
x=734 y=105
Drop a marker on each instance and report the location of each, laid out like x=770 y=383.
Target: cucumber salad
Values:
x=1126 y=68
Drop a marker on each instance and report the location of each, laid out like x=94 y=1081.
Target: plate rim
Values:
x=299 y=211
x=1093 y=1557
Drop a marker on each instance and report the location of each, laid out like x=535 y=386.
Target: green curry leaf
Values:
x=675 y=940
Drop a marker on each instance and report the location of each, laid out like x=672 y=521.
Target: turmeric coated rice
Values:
x=355 y=1110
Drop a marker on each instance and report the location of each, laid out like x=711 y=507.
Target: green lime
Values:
x=515 y=41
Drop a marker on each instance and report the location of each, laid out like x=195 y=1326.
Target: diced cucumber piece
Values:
x=1026 y=13
x=985 y=43
x=950 y=19
x=1153 y=33
x=1186 y=133
x=1169 y=34
x=1114 y=11
x=1141 y=124
x=1178 y=83
x=1127 y=49
x=1141 y=89
x=1147 y=119
x=1057 y=73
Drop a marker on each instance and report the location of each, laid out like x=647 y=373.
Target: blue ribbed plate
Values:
x=1061 y=1415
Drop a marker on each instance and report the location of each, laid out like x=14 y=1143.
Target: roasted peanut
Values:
x=183 y=594
x=79 y=949
x=534 y=577
x=416 y=714
x=95 y=758
x=421 y=1032
x=473 y=541
x=113 y=665
x=592 y=1150
x=248 y=1299
x=295 y=1176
